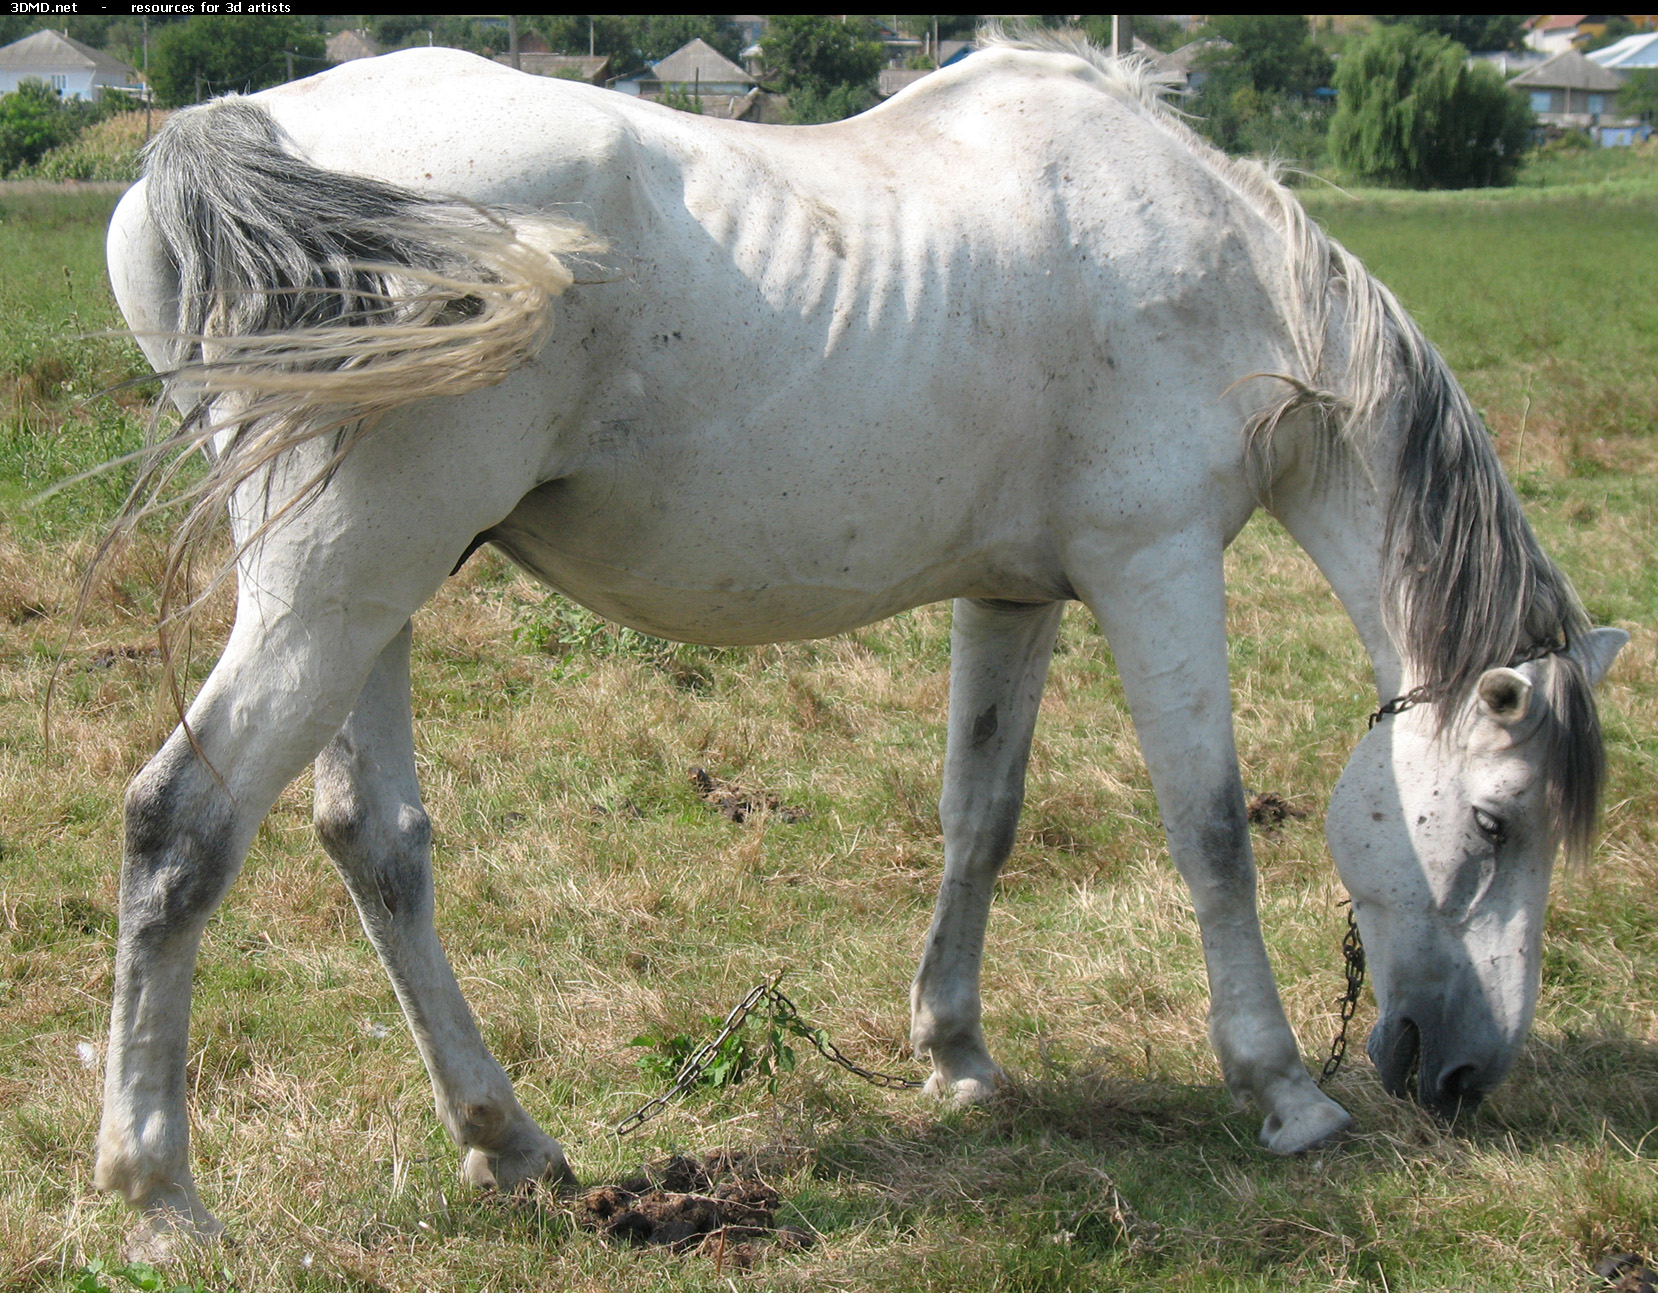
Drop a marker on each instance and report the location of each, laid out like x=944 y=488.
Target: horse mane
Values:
x=1465 y=585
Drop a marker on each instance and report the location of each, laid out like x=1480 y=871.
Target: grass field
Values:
x=587 y=895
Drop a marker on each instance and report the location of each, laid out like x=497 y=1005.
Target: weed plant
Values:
x=589 y=897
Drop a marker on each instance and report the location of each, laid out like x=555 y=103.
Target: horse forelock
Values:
x=1573 y=759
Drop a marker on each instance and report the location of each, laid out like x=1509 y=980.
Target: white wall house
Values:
x=74 y=70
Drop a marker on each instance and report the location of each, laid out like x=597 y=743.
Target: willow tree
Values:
x=1411 y=111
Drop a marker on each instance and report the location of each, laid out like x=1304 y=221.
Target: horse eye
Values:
x=1491 y=827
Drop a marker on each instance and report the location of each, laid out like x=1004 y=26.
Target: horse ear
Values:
x=1596 y=650
x=1505 y=694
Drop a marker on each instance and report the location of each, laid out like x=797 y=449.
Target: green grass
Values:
x=587 y=896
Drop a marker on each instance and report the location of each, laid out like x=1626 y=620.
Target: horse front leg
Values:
x=1163 y=610
x=369 y=817
x=999 y=653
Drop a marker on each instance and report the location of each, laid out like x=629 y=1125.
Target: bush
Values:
x=809 y=107
x=107 y=150
x=1410 y=111
x=1259 y=95
x=32 y=120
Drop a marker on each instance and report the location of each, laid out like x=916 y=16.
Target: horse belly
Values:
x=746 y=564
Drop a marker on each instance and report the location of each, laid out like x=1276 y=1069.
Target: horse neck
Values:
x=1337 y=511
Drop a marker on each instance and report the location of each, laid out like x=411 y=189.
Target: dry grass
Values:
x=586 y=894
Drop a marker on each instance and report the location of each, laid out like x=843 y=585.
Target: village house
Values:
x=591 y=69
x=1630 y=53
x=74 y=70
x=344 y=46
x=1570 y=92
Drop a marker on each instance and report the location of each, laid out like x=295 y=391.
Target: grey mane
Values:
x=1467 y=586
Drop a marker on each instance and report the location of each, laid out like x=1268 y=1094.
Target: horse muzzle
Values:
x=1444 y=1077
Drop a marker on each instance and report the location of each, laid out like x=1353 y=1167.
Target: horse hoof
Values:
x=1307 y=1128
x=518 y=1169
x=165 y=1235
x=963 y=1092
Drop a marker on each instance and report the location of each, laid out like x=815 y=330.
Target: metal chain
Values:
x=1352 y=954
x=1418 y=695
x=787 y=1015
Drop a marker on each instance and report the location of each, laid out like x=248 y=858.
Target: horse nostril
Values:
x=1395 y=1046
x=1458 y=1092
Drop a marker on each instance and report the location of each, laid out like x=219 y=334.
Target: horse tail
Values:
x=308 y=304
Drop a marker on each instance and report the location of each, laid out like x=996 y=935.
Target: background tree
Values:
x=1484 y=33
x=1410 y=111
x=1160 y=33
x=230 y=52
x=1639 y=96
x=826 y=66
x=656 y=36
x=1259 y=92
x=1273 y=53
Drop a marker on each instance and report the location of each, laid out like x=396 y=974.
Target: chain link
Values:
x=786 y=1015
x=1352 y=954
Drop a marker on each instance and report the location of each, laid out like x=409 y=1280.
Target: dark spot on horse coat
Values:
x=178 y=858
x=1224 y=838
x=984 y=727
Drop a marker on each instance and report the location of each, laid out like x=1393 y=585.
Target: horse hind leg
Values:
x=369 y=817
x=999 y=654
x=280 y=690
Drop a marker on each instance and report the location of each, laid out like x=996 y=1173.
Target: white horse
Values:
x=1015 y=337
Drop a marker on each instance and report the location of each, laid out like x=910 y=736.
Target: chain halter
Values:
x=1421 y=695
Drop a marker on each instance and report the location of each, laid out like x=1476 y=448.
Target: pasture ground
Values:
x=587 y=895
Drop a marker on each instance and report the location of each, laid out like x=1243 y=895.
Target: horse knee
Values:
x=181 y=853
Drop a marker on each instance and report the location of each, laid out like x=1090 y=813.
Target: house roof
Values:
x=1185 y=58
x=1639 y=50
x=1556 y=21
x=699 y=61
x=1568 y=71
x=1160 y=62
x=343 y=46
x=582 y=67
x=52 y=49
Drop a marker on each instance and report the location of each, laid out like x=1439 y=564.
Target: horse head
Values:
x=1444 y=828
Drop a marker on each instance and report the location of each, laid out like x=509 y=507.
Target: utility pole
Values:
x=198 y=87
x=149 y=94
x=592 y=37
x=289 y=55
x=512 y=42
x=1122 y=35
